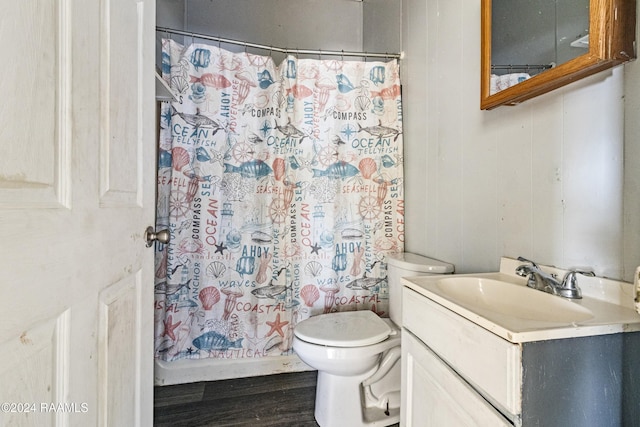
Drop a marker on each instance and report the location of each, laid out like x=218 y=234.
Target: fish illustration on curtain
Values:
x=282 y=189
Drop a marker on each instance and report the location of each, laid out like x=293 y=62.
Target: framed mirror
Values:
x=530 y=47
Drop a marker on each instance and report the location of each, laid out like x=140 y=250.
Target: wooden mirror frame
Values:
x=612 y=30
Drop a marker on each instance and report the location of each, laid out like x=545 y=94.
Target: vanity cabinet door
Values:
x=435 y=396
x=491 y=364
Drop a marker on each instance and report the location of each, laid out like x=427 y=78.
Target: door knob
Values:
x=151 y=236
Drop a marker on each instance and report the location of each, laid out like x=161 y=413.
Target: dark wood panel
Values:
x=282 y=400
x=259 y=385
x=274 y=400
x=178 y=394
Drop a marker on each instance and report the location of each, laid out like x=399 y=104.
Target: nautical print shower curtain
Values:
x=281 y=186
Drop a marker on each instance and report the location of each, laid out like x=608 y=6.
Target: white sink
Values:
x=502 y=303
x=509 y=299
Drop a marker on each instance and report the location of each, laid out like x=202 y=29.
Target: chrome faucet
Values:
x=550 y=283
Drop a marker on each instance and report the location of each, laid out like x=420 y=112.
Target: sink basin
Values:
x=501 y=303
x=510 y=299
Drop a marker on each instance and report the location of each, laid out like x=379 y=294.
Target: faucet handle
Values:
x=570 y=286
x=528 y=260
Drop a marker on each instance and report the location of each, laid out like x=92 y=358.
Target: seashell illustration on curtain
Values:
x=282 y=189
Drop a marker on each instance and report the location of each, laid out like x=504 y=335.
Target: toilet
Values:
x=357 y=353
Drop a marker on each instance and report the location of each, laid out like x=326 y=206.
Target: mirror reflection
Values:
x=531 y=36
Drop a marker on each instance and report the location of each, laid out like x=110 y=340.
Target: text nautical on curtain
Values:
x=282 y=190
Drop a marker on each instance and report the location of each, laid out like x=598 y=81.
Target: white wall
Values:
x=291 y=24
x=170 y=14
x=381 y=26
x=543 y=179
x=631 y=257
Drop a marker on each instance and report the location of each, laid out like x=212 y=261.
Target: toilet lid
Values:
x=343 y=329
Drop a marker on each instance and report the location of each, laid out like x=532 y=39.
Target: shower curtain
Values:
x=281 y=186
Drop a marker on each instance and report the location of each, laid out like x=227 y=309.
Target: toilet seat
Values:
x=344 y=329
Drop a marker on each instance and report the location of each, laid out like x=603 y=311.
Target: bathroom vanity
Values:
x=485 y=350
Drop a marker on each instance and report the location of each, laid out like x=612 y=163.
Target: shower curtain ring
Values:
x=320 y=54
x=342 y=55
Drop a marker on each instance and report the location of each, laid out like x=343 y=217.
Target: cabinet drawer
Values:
x=490 y=364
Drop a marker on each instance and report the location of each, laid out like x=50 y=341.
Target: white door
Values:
x=76 y=193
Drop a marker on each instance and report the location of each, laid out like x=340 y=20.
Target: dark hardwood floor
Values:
x=276 y=400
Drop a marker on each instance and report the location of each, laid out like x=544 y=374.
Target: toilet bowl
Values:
x=357 y=354
x=345 y=359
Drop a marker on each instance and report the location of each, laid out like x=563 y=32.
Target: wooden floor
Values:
x=276 y=400
x=282 y=400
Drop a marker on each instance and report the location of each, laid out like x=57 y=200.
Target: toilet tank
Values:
x=406 y=264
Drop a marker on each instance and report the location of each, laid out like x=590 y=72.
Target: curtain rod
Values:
x=279 y=49
x=522 y=67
